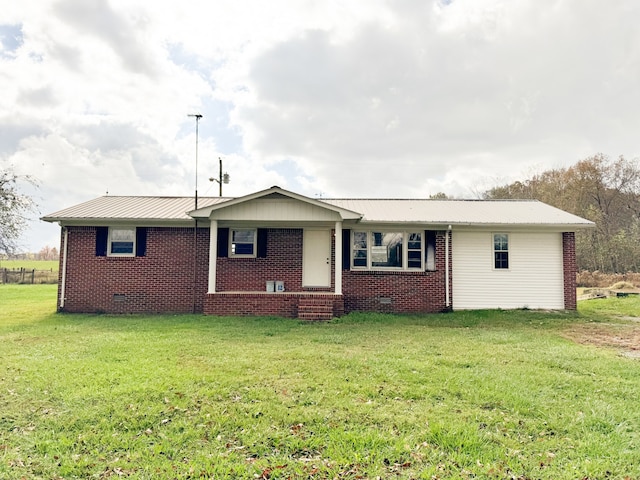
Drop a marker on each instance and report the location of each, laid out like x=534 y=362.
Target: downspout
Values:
x=338 y=253
x=195 y=262
x=446 y=270
x=63 y=279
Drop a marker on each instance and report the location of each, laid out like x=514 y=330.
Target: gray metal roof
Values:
x=435 y=212
x=460 y=212
x=132 y=208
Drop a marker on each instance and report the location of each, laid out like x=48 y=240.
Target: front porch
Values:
x=309 y=306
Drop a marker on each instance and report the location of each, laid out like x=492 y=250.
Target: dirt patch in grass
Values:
x=623 y=336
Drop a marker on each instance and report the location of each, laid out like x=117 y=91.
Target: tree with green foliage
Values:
x=602 y=190
x=439 y=196
x=14 y=207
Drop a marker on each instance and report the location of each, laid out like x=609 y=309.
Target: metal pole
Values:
x=220 y=177
x=195 y=220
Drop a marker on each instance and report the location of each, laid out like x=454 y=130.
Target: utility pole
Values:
x=197 y=117
x=222 y=177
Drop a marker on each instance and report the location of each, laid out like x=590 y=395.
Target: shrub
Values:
x=596 y=278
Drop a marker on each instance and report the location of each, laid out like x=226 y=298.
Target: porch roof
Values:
x=275 y=203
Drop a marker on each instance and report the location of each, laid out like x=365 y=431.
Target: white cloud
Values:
x=365 y=98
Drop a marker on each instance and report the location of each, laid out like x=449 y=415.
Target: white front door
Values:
x=316 y=258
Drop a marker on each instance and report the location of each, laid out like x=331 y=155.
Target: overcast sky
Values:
x=331 y=98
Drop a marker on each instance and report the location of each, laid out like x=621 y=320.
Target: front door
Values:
x=316 y=258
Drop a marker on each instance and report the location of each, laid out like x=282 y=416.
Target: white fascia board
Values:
x=138 y=222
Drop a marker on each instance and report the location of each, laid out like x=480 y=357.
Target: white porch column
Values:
x=338 y=258
x=213 y=255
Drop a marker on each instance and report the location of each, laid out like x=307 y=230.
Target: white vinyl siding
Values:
x=276 y=209
x=534 y=278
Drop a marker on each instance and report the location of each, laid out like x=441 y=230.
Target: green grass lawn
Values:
x=491 y=394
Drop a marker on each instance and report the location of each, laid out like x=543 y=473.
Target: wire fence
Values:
x=28 y=275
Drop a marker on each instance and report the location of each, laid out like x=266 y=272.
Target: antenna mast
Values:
x=197 y=117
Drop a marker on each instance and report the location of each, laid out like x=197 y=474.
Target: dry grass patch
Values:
x=622 y=336
x=615 y=323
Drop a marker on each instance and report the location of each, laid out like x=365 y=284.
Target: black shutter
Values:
x=141 y=241
x=346 y=249
x=102 y=237
x=223 y=242
x=262 y=243
x=429 y=250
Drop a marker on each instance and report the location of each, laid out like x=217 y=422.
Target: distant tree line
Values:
x=45 y=253
x=599 y=189
x=48 y=253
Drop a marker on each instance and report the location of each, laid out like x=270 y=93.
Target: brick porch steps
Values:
x=315 y=309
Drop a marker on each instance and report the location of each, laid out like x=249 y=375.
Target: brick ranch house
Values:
x=275 y=252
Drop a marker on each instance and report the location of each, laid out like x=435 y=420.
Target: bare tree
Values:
x=48 y=253
x=604 y=191
x=14 y=207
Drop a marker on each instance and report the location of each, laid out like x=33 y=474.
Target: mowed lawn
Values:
x=491 y=394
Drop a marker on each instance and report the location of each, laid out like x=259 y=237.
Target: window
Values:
x=122 y=242
x=243 y=242
x=414 y=250
x=360 y=249
x=385 y=250
x=500 y=250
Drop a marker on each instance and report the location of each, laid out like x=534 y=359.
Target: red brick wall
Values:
x=282 y=263
x=165 y=280
x=397 y=292
x=570 y=269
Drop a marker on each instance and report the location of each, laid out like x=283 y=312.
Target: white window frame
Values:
x=494 y=250
x=111 y=240
x=359 y=248
x=405 y=250
x=254 y=247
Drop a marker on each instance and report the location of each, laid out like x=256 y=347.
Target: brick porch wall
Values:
x=262 y=303
x=160 y=282
x=570 y=270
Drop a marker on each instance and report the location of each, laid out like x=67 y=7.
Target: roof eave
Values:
x=445 y=224
x=102 y=221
